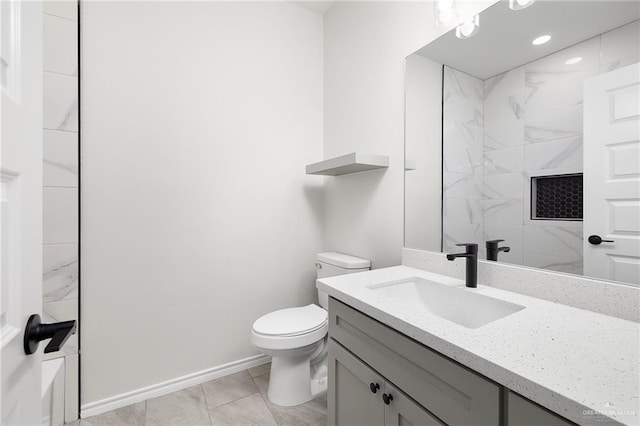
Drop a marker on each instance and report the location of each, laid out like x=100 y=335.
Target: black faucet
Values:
x=471 y=253
x=493 y=249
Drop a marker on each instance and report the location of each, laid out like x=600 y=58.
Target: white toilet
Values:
x=295 y=338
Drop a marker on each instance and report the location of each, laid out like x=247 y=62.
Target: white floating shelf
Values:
x=350 y=163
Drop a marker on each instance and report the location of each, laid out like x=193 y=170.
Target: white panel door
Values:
x=612 y=175
x=21 y=207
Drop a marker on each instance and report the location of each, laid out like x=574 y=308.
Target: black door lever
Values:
x=35 y=331
x=597 y=239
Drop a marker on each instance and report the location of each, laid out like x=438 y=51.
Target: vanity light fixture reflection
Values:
x=468 y=28
x=520 y=4
x=541 y=40
x=573 y=61
x=445 y=12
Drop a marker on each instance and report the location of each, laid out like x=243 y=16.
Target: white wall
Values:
x=423 y=153
x=197 y=217
x=365 y=44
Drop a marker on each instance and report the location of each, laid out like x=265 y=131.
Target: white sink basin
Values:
x=457 y=304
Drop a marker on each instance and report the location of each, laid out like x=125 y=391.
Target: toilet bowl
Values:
x=295 y=338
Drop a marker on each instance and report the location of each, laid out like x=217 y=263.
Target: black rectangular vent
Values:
x=556 y=197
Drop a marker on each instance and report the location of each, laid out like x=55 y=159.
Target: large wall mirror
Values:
x=534 y=143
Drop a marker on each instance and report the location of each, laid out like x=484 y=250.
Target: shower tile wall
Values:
x=60 y=181
x=532 y=119
x=462 y=180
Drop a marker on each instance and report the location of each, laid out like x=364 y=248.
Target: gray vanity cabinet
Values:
x=363 y=397
x=431 y=389
x=352 y=402
x=522 y=412
x=426 y=387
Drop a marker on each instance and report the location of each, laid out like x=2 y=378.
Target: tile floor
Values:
x=236 y=400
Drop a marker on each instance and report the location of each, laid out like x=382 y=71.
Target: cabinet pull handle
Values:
x=374 y=387
x=387 y=398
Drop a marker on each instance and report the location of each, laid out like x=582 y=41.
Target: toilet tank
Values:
x=331 y=264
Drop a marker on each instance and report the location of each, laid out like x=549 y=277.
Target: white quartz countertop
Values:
x=577 y=363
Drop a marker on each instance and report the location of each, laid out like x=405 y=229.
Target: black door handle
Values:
x=35 y=331
x=374 y=387
x=387 y=398
x=596 y=240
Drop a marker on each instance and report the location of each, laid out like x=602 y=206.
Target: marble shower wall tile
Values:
x=457 y=160
x=60 y=36
x=60 y=272
x=461 y=211
x=543 y=261
x=562 y=242
x=503 y=211
x=504 y=110
x=60 y=107
x=506 y=89
x=553 y=93
x=507 y=160
x=64 y=310
x=507 y=185
x=60 y=280
x=463 y=97
x=620 y=47
x=462 y=153
x=461 y=135
x=554 y=247
x=509 y=132
x=460 y=160
x=545 y=125
x=555 y=154
x=60 y=152
x=60 y=218
x=462 y=185
x=552 y=84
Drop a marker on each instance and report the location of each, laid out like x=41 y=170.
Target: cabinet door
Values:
x=350 y=400
x=403 y=411
x=522 y=412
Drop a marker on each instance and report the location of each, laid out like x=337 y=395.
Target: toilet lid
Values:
x=291 y=321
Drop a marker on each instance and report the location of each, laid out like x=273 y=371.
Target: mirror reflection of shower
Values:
x=512 y=136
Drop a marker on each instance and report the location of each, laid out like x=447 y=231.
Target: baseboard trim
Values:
x=163 y=388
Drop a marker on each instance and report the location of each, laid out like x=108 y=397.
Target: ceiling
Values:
x=319 y=7
x=504 y=38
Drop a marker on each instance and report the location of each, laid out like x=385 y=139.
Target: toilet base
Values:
x=290 y=382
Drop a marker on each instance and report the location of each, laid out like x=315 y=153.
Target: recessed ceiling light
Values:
x=574 y=61
x=541 y=40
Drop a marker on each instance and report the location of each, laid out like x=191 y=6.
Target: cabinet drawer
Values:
x=455 y=394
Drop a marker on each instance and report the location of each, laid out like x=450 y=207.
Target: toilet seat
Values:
x=291 y=321
x=290 y=328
